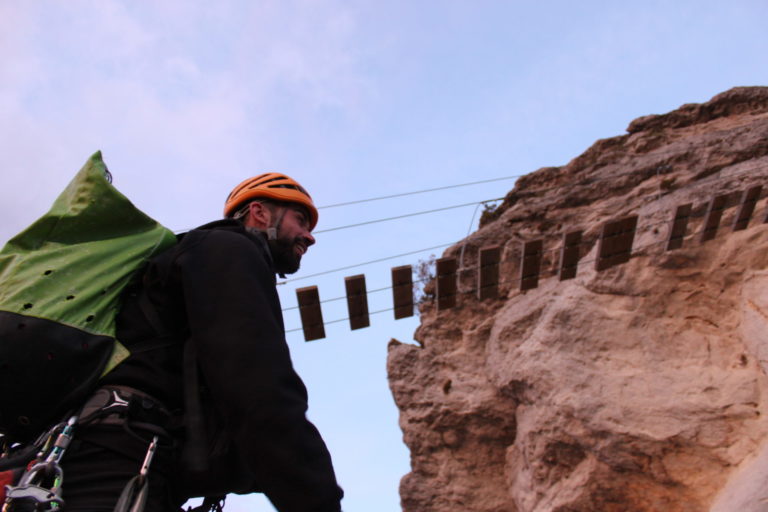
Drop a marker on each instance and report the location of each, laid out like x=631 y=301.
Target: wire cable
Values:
x=583 y=181
x=538 y=191
x=515 y=176
x=365 y=263
x=342 y=319
x=403 y=194
x=334 y=299
x=407 y=215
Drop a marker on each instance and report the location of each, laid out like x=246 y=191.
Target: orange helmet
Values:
x=271 y=185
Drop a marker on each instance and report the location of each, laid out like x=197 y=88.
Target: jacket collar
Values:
x=258 y=237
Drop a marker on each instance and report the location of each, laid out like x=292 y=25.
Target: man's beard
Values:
x=284 y=255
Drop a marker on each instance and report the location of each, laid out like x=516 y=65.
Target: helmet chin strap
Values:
x=272 y=230
x=275 y=227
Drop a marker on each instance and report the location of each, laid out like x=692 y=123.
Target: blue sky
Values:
x=355 y=99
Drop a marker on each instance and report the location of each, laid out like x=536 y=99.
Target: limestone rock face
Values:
x=637 y=388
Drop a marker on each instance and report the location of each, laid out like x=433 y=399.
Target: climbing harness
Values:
x=40 y=484
x=121 y=405
x=126 y=407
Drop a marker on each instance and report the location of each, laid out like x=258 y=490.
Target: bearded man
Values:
x=210 y=376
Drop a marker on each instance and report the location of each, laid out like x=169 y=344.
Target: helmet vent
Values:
x=292 y=187
x=264 y=182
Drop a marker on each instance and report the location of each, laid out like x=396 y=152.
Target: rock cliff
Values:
x=637 y=388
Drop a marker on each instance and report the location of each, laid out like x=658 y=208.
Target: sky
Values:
x=355 y=100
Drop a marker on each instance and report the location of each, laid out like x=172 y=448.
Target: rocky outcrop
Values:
x=637 y=388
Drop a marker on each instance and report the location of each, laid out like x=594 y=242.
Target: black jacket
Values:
x=216 y=288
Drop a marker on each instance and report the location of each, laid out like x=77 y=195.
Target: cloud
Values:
x=184 y=99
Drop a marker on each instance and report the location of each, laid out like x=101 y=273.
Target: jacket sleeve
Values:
x=236 y=324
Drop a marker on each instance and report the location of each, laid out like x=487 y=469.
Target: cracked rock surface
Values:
x=637 y=388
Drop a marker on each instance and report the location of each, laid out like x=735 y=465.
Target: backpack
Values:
x=61 y=280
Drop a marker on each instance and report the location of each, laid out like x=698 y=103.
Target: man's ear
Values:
x=259 y=215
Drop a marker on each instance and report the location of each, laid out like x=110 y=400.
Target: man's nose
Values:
x=310 y=239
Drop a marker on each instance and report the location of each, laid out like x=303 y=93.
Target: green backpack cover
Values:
x=61 y=281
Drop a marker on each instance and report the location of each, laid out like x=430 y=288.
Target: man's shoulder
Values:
x=219 y=230
x=221 y=248
x=222 y=234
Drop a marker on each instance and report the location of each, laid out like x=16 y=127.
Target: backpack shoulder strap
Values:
x=150 y=313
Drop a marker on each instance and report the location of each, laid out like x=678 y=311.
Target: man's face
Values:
x=293 y=239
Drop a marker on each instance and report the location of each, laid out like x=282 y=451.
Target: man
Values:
x=207 y=343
